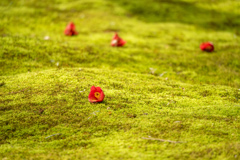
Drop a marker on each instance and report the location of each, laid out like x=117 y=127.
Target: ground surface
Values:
x=159 y=86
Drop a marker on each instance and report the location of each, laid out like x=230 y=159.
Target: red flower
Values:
x=117 y=41
x=70 y=30
x=96 y=95
x=207 y=46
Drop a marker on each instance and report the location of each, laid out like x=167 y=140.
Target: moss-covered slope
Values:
x=47 y=115
x=165 y=98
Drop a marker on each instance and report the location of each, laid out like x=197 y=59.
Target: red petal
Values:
x=101 y=97
x=72 y=26
x=121 y=42
x=75 y=33
x=115 y=36
x=93 y=88
x=98 y=89
x=91 y=97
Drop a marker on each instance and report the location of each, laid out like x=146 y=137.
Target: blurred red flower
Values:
x=70 y=30
x=207 y=46
x=117 y=41
x=96 y=95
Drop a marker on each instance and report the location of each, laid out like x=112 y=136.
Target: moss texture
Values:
x=159 y=86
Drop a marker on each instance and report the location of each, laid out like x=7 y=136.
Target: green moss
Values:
x=36 y=105
x=160 y=85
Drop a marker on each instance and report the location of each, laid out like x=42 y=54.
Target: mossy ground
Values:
x=160 y=85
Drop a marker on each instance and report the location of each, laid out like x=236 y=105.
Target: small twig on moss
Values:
x=53 y=135
x=162 y=140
